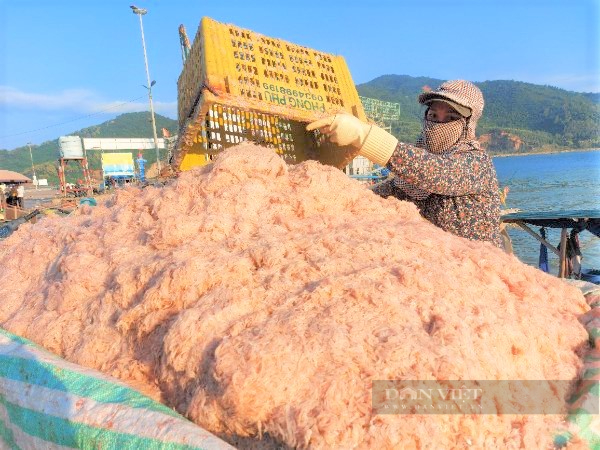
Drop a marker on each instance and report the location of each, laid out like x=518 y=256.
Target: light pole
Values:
x=32 y=166
x=140 y=12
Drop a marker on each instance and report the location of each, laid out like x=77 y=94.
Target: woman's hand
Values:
x=342 y=129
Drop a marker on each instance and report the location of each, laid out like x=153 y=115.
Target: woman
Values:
x=447 y=174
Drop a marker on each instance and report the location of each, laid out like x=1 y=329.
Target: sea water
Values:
x=552 y=182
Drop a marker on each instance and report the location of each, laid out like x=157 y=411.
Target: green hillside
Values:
x=543 y=117
x=45 y=155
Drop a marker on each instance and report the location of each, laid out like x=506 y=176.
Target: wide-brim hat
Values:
x=463 y=94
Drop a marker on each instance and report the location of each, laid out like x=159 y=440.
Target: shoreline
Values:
x=544 y=152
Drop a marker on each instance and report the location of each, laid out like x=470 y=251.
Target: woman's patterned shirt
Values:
x=464 y=197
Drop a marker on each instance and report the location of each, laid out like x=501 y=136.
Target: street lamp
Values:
x=140 y=12
x=32 y=166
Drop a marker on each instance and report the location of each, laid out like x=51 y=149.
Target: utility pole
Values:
x=140 y=12
x=35 y=180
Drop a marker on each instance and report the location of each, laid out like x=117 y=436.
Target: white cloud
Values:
x=80 y=101
x=168 y=109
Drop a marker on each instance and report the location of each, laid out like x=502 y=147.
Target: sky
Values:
x=66 y=65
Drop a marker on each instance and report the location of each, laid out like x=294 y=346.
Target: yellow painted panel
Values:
x=117 y=158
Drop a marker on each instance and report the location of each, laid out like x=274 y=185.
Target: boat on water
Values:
x=571 y=223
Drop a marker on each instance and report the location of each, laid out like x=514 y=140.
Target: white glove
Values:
x=342 y=129
x=345 y=129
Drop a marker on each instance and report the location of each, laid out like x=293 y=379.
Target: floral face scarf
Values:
x=440 y=137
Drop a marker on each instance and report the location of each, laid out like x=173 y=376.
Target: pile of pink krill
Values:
x=258 y=298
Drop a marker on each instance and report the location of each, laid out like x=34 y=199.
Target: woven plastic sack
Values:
x=583 y=422
x=48 y=403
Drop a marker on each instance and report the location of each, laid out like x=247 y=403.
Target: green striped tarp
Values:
x=49 y=403
x=583 y=421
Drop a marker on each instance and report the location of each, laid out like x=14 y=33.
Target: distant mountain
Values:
x=518 y=117
x=45 y=155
